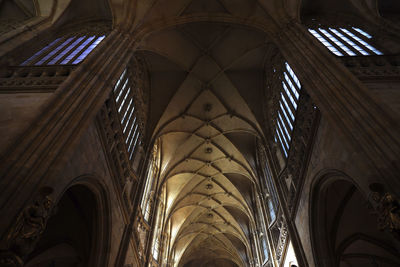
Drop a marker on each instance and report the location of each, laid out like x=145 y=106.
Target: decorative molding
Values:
x=140 y=81
x=282 y=240
x=373 y=67
x=292 y=177
x=29 y=79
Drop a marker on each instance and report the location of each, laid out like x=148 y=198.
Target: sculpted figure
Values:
x=27 y=230
x=389 y=213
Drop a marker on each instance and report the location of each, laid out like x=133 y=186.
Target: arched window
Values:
x=265 y=249
x=158 y=227
x=285 y=114
x=345 y=41
x=152 y=172
x=268 y=187
x=70 y=48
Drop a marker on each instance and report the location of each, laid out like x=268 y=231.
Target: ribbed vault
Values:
x=206 y=97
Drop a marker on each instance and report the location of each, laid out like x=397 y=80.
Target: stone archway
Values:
x=77 y=232
x=344 y=228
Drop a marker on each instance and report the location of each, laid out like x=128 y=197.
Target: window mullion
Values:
x=289 y=119
x=123 y=93
x=134 y=136
x=130 y=127
x=290 y=104
x=121 y=87
x=281 y=141
x=362 y=46
x=67 y=58
x=290 y=89
x=129 y=135
x=284 y=132
x=356 y=33
x=119 y=82
x=126 y=103
x=88 y=49
x=296 y=87
x=85 y=47
x=286 y=124
x=332 y=43
x=39 y=53
x=47 y=51
x=133 y=152
x=349 y=46
x=287 y=110
x=128 y=121
x=69 y=49
x=283 y=136
x=124 y=114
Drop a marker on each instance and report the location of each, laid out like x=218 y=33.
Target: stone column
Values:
x=44 y=146
x=364 y=124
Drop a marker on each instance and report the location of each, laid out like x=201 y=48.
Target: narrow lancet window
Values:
x=124 y=94
x=285 y=115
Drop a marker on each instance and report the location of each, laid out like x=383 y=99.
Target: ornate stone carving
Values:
x=33 y=78
x=114 y=144
x=282 y=239
x=28 y=229
x=373 y=66
x=388 y=208
x=140 y=82
x=301 y=143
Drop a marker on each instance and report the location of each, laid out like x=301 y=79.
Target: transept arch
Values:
x=344 y=225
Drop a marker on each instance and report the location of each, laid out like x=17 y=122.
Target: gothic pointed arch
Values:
x=344 y=225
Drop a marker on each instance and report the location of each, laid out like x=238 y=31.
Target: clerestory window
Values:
x=156 y=247
x=350 y=41
x=69 y=50
x=285 y=115
x=265 y=249
x=152 y=172
x=124 y=100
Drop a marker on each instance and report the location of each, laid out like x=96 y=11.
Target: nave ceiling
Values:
x=206 y=98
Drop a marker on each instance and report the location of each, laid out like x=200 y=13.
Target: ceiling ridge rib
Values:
x=244 y=205
x=236 y=254
x=235 y=60
x=183 y=9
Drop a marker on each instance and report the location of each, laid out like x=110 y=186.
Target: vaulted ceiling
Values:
x=207 y=84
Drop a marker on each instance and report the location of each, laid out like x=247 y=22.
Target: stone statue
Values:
x=27 y=230
x=389 y=213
